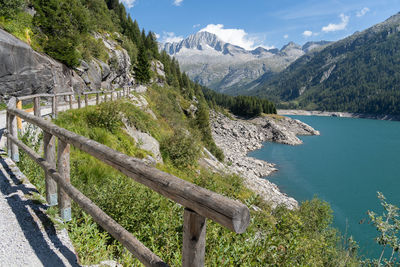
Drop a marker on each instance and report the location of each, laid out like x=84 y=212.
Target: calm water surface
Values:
x=346 y=166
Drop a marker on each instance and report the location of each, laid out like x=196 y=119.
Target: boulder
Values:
x=24 y=71
x=145 y=142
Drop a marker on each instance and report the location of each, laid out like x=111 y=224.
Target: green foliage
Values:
x=60 y=24
x=90 y=47
x=105 y=116
x=3 y=106
x=364 y=73
x=10 y=8
x=142 y=68
x=247 y=106
x=181 y=149
x=277 y=237
x=203 y=124
x=388 y=227
x=100 y=16
x=20 y=26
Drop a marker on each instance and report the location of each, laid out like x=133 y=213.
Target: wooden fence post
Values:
x=194 y=239
x=36 y=106
x=79 y=101
x=63 y=168
x=13 y=129
x=19 y=121
x=97 y=98
x=8 y=127
x=70 y=102
x=86 y=100
x=54 y=106
x=49 y=143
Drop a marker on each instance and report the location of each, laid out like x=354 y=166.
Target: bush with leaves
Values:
x=181 y=149
x=105 y=116
x=9 y=8
x=388 y=226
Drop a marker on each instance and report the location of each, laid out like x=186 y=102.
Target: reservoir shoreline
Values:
x=237 y=137
x=288 y=112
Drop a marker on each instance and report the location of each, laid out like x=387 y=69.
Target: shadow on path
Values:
x=33 y=221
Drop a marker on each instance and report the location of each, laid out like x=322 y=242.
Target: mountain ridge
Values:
x=356 y=74
x=229 y=68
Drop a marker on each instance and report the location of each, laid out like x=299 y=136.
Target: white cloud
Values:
x=170 y=37
x=235 y=36
x=157 y=35
x=286 y=36
x=307 y=33
x=178 y=2
x=362 y=12
x=128 y=3
x=337 y=27
x=196 y=25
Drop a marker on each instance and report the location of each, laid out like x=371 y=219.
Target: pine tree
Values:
x=142 y=68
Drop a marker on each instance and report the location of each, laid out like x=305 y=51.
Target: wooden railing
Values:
x=199 y=203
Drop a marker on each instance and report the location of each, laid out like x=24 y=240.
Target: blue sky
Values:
x=267 y=23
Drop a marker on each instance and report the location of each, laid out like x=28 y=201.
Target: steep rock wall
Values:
x=24 y=71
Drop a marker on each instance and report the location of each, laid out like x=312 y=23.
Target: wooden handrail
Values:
x=230 y=213
x=145 y=255
x=199 y=202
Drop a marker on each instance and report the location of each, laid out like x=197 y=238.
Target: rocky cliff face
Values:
x=238 y=137
x=24 y=71
x=113 y=74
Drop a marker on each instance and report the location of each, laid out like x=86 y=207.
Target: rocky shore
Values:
x=237 y=137
x=338 y=114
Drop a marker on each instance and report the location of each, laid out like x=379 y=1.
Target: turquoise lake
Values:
x=346 y=165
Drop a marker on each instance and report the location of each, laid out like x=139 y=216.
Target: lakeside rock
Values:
x=237 y=137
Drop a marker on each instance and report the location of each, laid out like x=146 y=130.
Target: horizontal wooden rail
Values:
x=145 y=255
x=227 y=212
x=20 y=98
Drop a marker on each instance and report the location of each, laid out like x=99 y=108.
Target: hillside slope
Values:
x=360 y=73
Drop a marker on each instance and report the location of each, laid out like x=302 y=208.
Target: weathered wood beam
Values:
x=49 y=147
x=227 y=212
x=194 y=239
x=144 y=255
x=64 y=202
x=36 y=106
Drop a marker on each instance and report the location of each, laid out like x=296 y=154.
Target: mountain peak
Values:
x=290 y=45
x=198 y=41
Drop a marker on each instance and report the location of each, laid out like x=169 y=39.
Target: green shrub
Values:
x=91 y=47
x=10 y=8
x=181 y=149
x=105 y=116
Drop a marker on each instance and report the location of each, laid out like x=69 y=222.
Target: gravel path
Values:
x=27 y=236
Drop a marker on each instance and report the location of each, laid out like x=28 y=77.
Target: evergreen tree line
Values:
x=364 y=78
x=247 y=106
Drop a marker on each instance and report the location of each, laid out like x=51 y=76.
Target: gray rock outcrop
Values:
x=237 y=137
x=111 y=75
x=24 y=71
x=145 y=142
